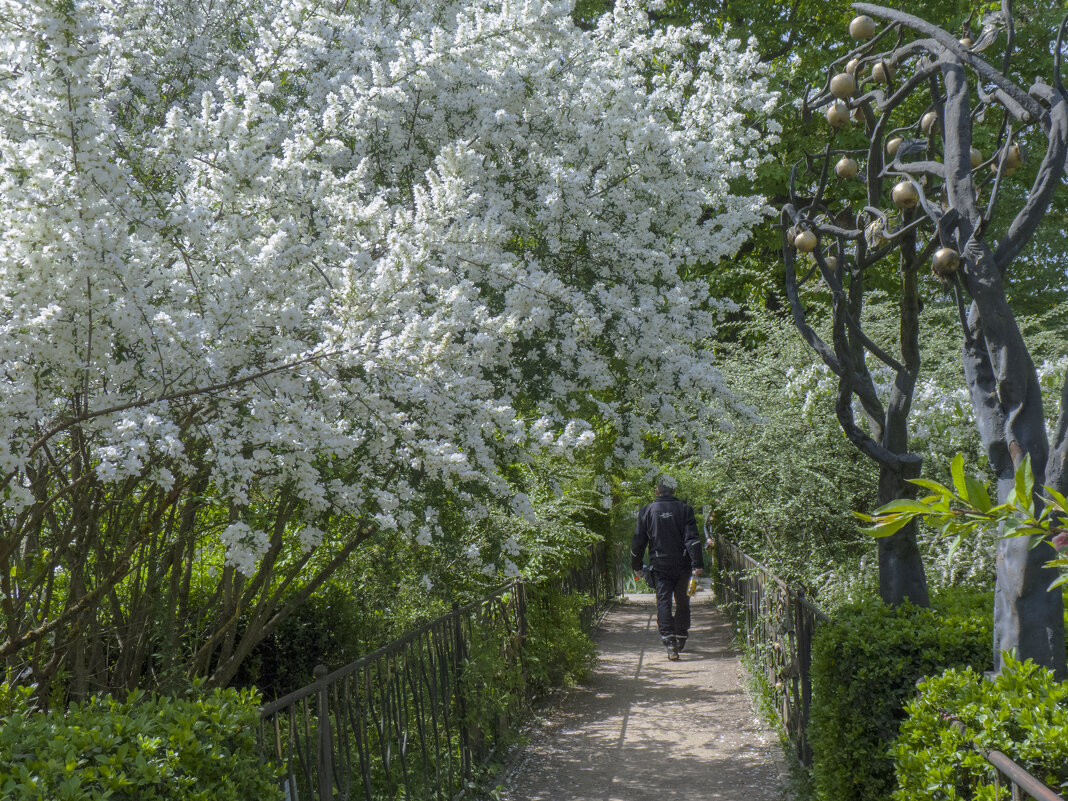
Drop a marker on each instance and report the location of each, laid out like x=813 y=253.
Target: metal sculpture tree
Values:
x=923 y=96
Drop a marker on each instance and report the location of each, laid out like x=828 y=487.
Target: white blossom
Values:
x=424 y=535
x=245 y=546
x=310 y=537
x=278 y=241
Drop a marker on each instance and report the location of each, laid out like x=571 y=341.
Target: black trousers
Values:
x=672 y=585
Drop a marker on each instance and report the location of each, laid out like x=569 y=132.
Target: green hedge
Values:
x=865 y=665
x=145 y=748
x=1022 y=713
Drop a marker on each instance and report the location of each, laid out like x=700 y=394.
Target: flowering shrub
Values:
x=272 y=272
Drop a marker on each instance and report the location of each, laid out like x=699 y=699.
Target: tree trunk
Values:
x=901 y=574
x=1028 y=618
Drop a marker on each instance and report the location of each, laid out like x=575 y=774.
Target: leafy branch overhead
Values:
x=966 y=508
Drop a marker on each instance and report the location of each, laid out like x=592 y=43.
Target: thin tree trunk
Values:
x=901 y=574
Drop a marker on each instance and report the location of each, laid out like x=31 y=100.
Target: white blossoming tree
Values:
x=276 y=275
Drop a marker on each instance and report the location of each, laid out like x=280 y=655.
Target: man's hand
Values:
x=711 y=543
x=698 y=571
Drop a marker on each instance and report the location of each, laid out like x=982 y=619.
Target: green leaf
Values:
x=891 y=526
x=1057 y=498
x=902 y=505
x=1025 y=483
x=931 y=486
x=954 y=545
x=956 y=469
x=977 y=494
x=1016 y=527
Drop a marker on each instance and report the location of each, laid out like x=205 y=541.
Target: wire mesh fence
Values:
x=419 y=717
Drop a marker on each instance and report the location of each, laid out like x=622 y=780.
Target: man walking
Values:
x=668 y=528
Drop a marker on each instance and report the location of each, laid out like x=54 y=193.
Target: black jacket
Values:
x=668 y=528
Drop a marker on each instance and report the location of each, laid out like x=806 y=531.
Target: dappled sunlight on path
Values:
x=645 y=728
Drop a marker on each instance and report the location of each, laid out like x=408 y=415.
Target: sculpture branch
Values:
x=1047 y=180
x=1026 y=109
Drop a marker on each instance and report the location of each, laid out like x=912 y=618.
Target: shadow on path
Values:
x=645 y=728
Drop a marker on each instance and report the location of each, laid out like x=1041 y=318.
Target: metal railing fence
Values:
x=1016 y=779
x=778 y=622
x=417 y=718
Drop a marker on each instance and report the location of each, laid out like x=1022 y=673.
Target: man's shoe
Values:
x=680 y=644
x=672 y=649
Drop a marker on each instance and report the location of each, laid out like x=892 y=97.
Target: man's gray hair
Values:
x=665 y=485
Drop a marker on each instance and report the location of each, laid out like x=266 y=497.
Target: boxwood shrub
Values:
x=143 y=748
x=1023 y=713
x=865 y=665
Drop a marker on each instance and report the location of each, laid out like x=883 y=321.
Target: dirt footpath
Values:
x=645 y=728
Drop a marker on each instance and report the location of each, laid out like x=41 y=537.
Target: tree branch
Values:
x=1057 y=463
x=1022 y=105
x=1049 y=176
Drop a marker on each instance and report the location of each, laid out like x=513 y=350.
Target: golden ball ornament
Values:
x=882 y=72
x=893 y=145
x=1014 y=158
x=843 y=85
x=862 y=27
x=805 y=241
x=976 y=157
x=837 y=114
x=929 y=123
x=846 y=167
x=945 y=262
x=904 y=195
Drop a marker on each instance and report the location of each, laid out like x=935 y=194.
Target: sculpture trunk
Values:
x=1028 y=617
x=901 y=574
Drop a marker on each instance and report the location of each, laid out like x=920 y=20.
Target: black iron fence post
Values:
x=326 y=746
x=458 y=676
x=521 y=600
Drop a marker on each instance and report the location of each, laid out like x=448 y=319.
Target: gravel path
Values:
x=642 y=727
